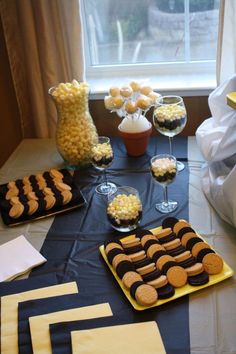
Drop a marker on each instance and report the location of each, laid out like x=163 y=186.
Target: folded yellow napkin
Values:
x=17 y=257
x=9 y=312
x=39 y=325
x=135 y=338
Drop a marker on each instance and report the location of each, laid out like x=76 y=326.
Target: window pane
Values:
x=151 y=31
x=203 y=23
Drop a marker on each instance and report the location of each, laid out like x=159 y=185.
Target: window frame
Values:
x=156 y=72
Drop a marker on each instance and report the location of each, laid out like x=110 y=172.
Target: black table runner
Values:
x=71 y=245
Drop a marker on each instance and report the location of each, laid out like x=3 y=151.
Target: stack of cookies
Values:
x=197 y=257
x=152 y=265
x=38 y=195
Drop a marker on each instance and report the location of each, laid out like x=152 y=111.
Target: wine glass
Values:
x=102 y=157
x=169 y=118
x=163 y=170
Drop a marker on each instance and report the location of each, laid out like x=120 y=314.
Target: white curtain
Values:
x=226 y=51
x=44 y=44
x=216 y=136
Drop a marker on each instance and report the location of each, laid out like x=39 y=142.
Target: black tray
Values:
x=77 y=202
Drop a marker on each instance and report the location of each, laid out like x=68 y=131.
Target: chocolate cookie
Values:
x=149 y=243
x=176 y=251
x=190 y=243
x=188 y=262
x=124 y=267
x=184 y=230
x=134 y=287
x=112 y=253
x=166 y=291
x=151 y=276
x=142 y=232
x=167 y=266
x=112 y=241
x=143 y=262
x=198 y=280
x=169 y=222
x=157 y=255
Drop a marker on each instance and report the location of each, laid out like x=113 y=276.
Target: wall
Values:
x=10 y=132
x=107 y=123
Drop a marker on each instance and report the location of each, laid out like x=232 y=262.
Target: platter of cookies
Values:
x=156 y=266
x=39 y=196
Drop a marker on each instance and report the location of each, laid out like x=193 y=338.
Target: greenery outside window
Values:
x=152 y=37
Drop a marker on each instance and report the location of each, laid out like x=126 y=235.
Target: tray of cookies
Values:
x=160 y=265
x=38 y=196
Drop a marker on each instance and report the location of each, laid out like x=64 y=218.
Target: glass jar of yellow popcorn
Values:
x=76 y=132
x=124 y=209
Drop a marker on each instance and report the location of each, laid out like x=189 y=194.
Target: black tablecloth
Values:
x=60 y=333
x=44 y=306
x=71 y=245
x=19 y=286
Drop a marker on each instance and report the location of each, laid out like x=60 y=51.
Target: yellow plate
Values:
x=231 y=99
x=227 y=272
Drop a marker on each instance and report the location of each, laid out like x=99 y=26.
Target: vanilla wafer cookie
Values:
x=212 y=263
x=146 y=295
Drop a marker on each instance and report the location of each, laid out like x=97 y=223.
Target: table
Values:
x=212 y=311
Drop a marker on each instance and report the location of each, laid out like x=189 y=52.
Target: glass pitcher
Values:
x=76 y=132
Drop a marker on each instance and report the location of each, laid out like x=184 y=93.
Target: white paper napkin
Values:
x=17 y=257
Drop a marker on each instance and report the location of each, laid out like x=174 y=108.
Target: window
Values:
x=138 y=37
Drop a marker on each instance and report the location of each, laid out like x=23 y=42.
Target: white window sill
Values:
x=183 y=85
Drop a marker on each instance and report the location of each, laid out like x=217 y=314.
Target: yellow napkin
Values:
x=39 y=325
x=231 y=99
x=9 y=312
x=135 y=338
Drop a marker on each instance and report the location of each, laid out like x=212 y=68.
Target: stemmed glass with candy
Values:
x=101 y=158
x=163 y=170
x=169 y=118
